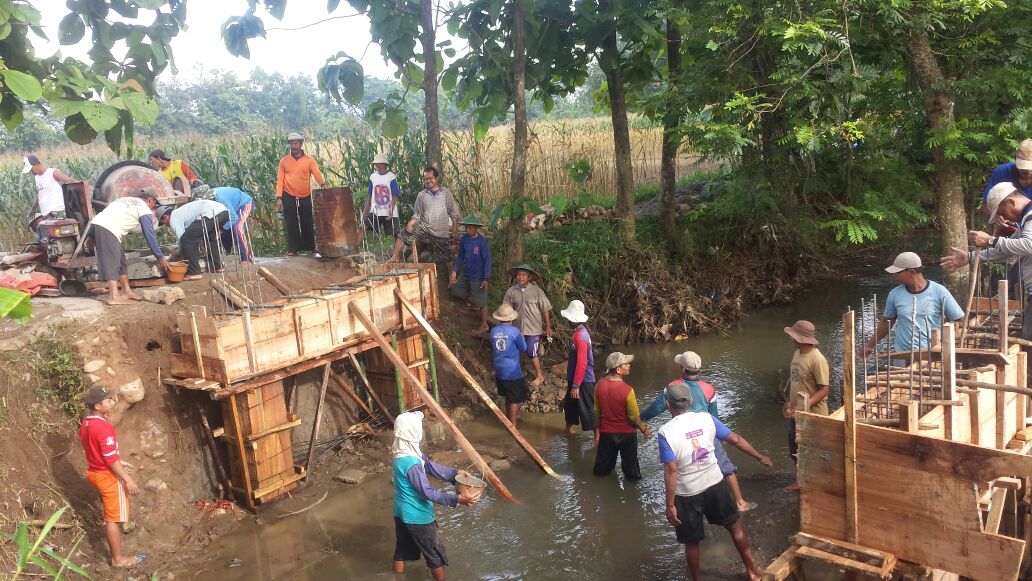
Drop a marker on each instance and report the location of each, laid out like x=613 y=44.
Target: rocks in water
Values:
x=461 y=414
x=133 y=391
x=153 y=441
x=93 y=366
x=165 y=295
x=351 y=476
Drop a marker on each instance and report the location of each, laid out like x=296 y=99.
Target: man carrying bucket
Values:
x=415 y=525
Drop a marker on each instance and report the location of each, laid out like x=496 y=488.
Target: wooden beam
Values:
x=274 y=280
x=1004 y=314
x=402 y=366
x=209 y=440
x=197 y=344
x=442 y=346
x=849 y=402
x=995 y=513
x=785 y=565
x=245 y=467
x=249 y=341
x=351 y=393
x=838 y=561
x=234 y=296
x=289 y=370
x=295 y=421
x=908 y=416
x=318 y=418
x=881 y=562
x=951 y=417
x=975 y=411
x=1021 y=371
x=369 y=388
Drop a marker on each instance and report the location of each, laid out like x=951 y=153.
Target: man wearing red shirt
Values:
x=105 y=471
x=616 y=420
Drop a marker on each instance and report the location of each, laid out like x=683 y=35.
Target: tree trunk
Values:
x=428 y=36
x=518 y=174
x=671 y=141
x=938 y=106
x=610 y=63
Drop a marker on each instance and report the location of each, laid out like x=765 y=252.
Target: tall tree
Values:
x=518 y=174
x=671 y=135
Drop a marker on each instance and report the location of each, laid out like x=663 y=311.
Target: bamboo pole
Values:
x=849 y=400
x=475 y=386
x=318 y=419
x=401 y=366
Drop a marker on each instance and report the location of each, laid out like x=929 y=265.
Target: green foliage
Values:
x=579 y=170
x=515 y=209
x=35 y=553
x=58 y=371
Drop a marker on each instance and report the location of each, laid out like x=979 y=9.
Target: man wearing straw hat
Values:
x=617 y=420
x=381 y=209
x=474 y=256
x=809 y=378
x=579 y=401
x=506 y=345
x=534 y=309
x=915 y=307
x=415 y=524
x=294 y=195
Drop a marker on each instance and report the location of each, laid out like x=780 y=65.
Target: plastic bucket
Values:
x=176 y=272
x=465 y=482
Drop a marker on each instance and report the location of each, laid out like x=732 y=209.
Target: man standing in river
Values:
x=617 y=420
x=809 y=377
x=692 y=480
x=933 y=302
x=579 y=402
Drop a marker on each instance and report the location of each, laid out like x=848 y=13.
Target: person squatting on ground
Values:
x=294 y=195
x=579 y=401
x=809 y=377
x=535 y=317
x=240 y=205
x=617 y=420
x=934 y=304
x=692 y=480
x=105 y=471
x=506 y=345
x=415 y=525
x=107 y=229
x=434 y=221
x=381 y=209
x=704 y=398
x=474 y=256
x=197 y=226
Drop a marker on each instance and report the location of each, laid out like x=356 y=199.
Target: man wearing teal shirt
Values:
x=415 y=525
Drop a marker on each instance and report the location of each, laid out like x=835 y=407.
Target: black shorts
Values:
x=715 y=503
x=110 y=256
x=582 y=410
x=382 y=224
x=415 y=540
x=513 y=390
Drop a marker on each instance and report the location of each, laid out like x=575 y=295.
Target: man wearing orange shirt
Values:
x=294 y=195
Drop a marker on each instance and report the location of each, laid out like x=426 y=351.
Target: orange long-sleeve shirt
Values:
x=295 y=176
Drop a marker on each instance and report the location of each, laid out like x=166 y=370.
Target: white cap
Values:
x=904 y=261
x=689 y=360
x=1023 y=157
x=996 y=195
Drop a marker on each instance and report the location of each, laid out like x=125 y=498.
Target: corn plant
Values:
x=36 y=553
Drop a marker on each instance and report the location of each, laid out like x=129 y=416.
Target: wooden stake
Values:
x=274 y=281
x=401 y=366
x=908 y=416
x=1004 y=313
x=849 y=401
x=197 y=344
x=249 y=341
x=245 y=466
x=475 y=386
x=971 y=297
x=209 y=439
x=318 y=419
x=951 y=416
x=351 y=393
x=369 y=388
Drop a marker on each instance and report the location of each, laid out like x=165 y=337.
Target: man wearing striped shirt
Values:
x=435 y=207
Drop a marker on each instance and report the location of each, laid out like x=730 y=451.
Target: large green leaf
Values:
x=143 y=109
x=71 y=29
x=100 y=116
x=24 y=85
x=79 y=130
x=395 y=124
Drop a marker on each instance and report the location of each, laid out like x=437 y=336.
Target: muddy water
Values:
x=588 y=528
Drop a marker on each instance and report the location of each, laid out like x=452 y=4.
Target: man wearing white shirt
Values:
x=107 y=229
x=693 y=481
x=49 y=195
x=381 y=211
x=197 y=226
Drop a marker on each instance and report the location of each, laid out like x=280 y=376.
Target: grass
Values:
x=53 y=364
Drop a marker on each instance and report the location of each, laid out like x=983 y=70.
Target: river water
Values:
x=587 y=528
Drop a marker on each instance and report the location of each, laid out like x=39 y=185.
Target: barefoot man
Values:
x=105 y=471
x=108 y=228
x=534 y=309
x=693 y=482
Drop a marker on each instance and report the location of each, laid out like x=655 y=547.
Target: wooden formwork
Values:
x=385 y=379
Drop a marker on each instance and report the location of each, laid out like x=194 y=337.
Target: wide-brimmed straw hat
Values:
x=803 y=332
x=575 y=312
x=380 y=158
x=505 y=313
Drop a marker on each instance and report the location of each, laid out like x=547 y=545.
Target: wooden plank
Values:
x=238 y=439
x=1000 y=419
x=1003 y=316
x=1021 y=401
x=852 y=551
x=951 y=415
x=446 y=352
x=400 y=364
x=274 y=280
x=916 y=493
x=785 y=565
x=908 y=416
x=849 y=402
x=295 y=421
x=249 y=338
x=197 y=345
x=209 y=440
x=234 y=296
x=995 y=513
x=279 y=484
x=975 y=410
x=837 y=561
x=318 y=418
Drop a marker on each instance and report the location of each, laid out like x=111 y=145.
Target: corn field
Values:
x=477 y=173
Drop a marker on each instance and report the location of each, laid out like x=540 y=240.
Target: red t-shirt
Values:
x=99 y=442
x=614 y=398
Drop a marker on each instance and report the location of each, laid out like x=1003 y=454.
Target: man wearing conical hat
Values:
x=506 y=345
x=534 y=309
x=809 y=378
x=474 y=258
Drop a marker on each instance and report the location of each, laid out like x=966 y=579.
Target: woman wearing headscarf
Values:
x=415 y=525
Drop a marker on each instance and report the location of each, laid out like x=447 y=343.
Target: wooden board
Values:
x=915 y=493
